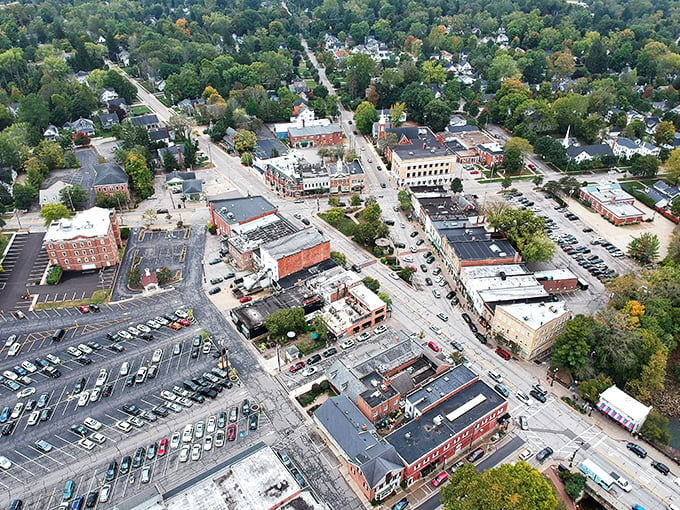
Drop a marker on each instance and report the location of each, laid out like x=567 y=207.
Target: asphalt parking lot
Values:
x=30 y=463
x=17 y=270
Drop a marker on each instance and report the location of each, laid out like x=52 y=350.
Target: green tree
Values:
x=437 y=114
x=404 y=198
x=355 y=200
x=396 y=111
x=506 y=182
x=366 y=233
x=34 y=110
x=23 y=195
x=371 y=213
x=247 y=159
x=385 y=298
x=170 y=162
x=663 y=135
x=406 y=273
x=73 y=195
x=525 y=230
x=644 y=249
x=572 y=346
x=656 y=428
x=134 y=278
x=652 y=377
x=456 y=185
x=142 y=179
x=335 y=215
x=163 y=275
x=51 y=154
x=364 y=117
x=284 y=320
x=575 y=485
x=360 y=68
x=245 y=140
x=54 y=212
x=592 y=388
x=339 y=258
x=672 y=166
x=321 y=327
x=371 y=284
x=513 y=160
x=644 y=166
x=519 y=486
x=149 y=217
x=596 y=60
x=433 y=72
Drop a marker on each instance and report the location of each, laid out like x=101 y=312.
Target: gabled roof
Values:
x=192 y=187
x=109 y=173
x=180 y=176
x=600 y=149
x=144 y=120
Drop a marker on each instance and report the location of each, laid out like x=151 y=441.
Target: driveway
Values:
x=17 y=266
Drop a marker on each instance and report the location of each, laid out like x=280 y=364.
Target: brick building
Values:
x=294 y=252
x=314 y=136
x=232 y=215
x=89 y=240
x=612 y=203
x=110 y=178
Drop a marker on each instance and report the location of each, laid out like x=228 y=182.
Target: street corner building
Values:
x=89 y=240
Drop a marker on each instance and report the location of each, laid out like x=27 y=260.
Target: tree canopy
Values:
x=525 y=230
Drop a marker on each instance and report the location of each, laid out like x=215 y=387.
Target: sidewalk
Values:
x=551 y=473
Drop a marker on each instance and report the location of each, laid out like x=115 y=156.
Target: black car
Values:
x=160 y=411
x=138 y=457
x=79 y=430
x=637 y=450
x=8 y=428
x=457 y=346
x=108 y=389
x=130 y=381
x=94 y=308
x=428 y=281
x=116 y=348
x=419 y=242
x=451 y=294
x=544 y=454
x=228 y=276
x=413 y=234
x=194 y=352
x=314 y=359
x=146 y=336
x=482 y=339
x=253 y=421
x=83 y=360
x=95 y=345
x=197 y=397
x=245 y=407
x=466 y=318
x=125 y=464
x=472 y=327
x=661 y=468
x=330 y=352
x=214 y=290
x=131 y=409
x=399 y=245
x=207 y=392
x=111 y=471
x=423 y=268
x=538 y=396
x=80 y=384
x=46 y=414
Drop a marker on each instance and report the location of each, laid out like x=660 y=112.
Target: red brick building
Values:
x=90 y=240
x=231 y=215
x=295 y=252
x=110 y=178
x=313 y=136
x=490 y=154
x=612 y=203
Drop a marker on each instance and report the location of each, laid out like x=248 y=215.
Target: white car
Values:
x=34 y=418
x=84 y=348
x=10 y=375
x=364 y=336
x=5 y=463
x=92 y=424
x=188 y=433
x=56 y=360
x=137 y=422
x=211 y=425
x=97 y=438
x=153 y=324
x=124 y=334
x=207 y=445
x=26 y=392
x=347 y=344
x=124 y=426
x=181 y=314
x=74 y=352
x=196 y=451
x=86 y=444
x=394 y=276
x=219 y=439
x=84 y=398
x=168 y=395
x=102 y=377
x=380 y=329
x=436 y=293
x=526 y=454
x=124 y=369
x=436 y=329
x=185 y=402
x=16 y=411
x=174 y=440
x=29 y=367
x=133 y=331
x=174 y=406
x=143 y=328
x=95 y=394
x=523 y=397
x=408 y=259
x=309 y=371
x=105 y=493
x=162 y=320
x=184 y=453
x=157 y=356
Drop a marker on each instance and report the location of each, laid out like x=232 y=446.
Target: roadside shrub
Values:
x=212 y=228
x=54 y=275
x=125 y=233
x=134 y=278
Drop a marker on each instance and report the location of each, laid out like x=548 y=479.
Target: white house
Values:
x=51 y=195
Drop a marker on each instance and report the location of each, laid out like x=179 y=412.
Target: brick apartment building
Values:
x=231 y=215
x=90 y=240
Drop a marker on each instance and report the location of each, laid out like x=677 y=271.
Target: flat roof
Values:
x=367 y=297
x=260 y=231
x=254 y=313
x=555 y=274
x=423 y=143
x=494 y=271
x=303 y=275
x=419 y=437
x=536 y=315
x=294 y=243
x=377 y=391
x=94 y=222
x=242 y=209
x=459 y=234
x=622 y=401
x=482 y=249
x=445 y=384
x=446 y=208
x=315 y=130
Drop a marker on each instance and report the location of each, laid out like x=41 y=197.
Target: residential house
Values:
x=51 y=195
x=583 y=153
x=147 y=120
x=81 y=77
x=51 y=133
x=662 y=194
x=89 y=240
x=174 y=180
x=81 y=126
x=611 y=202
x=118 y=104
x=299 y=86
x=627 y=148
x=107 y=94
x=177 y=152
x=192 y=189
x=110 y=178
x=123 y=58
x=108 y=120
x=161 y=134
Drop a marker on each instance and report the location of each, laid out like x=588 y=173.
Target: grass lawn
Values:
x=140 y=109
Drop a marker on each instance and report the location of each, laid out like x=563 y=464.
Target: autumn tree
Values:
x=54 y=212
x=663 y=135
x=396 y=111
x=672 y=166
x=142 y=179
x=645 y=248
x=245 y=140
x=519 y=486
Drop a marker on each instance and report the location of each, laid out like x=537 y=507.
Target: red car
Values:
x=297 y=366
x=231 y=432
x=245 y=299
x=184 y=322
x=533 y=167
x=162 y=447
x=440 y=479
x=175 y=325
x=433 y=346
x=83 y=309
x=503 y=354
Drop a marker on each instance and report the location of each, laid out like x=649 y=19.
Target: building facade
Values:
x=314 y=136
x=232 y=214
x=90 y=240
x=612 y=203
x=110 y=178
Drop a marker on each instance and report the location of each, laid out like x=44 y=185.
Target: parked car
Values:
x=544 y=454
